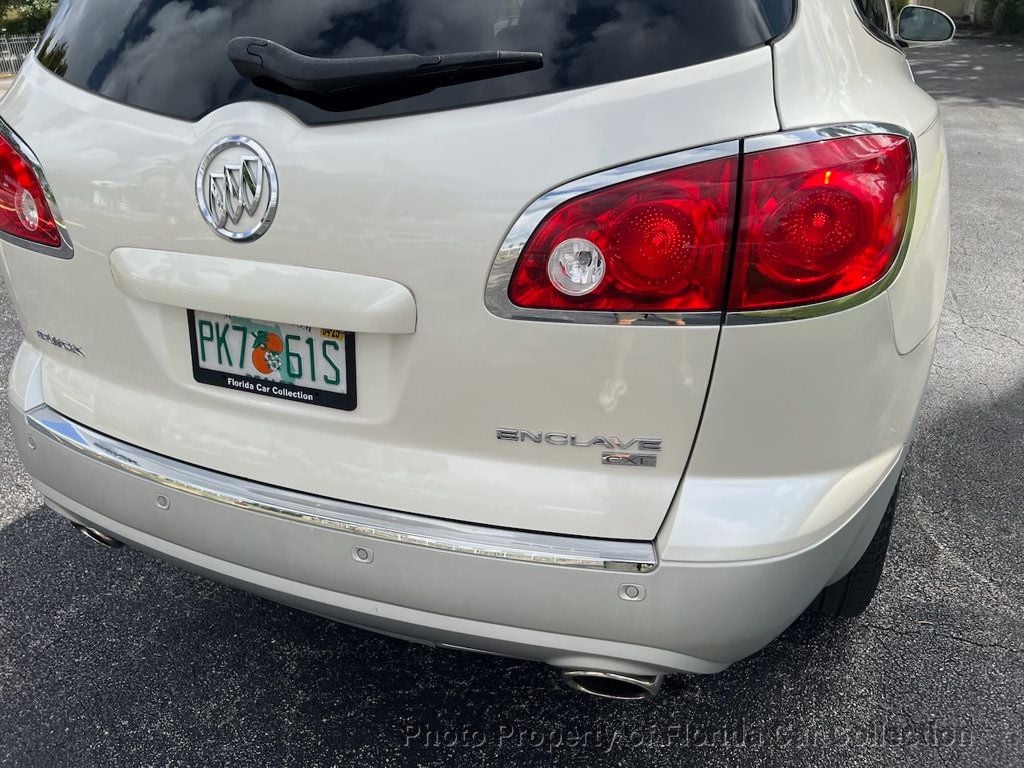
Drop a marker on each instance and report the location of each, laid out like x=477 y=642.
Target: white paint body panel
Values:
x=423 y=201
x=832 y=393
x=791 y=449
x=804 y=417
x=299 y=295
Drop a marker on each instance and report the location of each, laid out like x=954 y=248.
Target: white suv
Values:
x=591 y=332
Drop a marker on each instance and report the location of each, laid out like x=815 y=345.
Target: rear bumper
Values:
x=695 y=616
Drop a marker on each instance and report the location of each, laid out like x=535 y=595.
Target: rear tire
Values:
x=851 y=595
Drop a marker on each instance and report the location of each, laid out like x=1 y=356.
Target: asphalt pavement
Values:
x=116 y=659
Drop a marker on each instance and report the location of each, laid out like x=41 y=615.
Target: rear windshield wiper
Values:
x=264 y=60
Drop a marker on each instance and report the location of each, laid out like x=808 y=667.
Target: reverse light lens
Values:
x=657 y=243
x=28 y=211
x=820 y=221
x=576 y=267
x=24 y=212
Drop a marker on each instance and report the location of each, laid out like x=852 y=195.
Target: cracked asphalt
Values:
x=119 y=660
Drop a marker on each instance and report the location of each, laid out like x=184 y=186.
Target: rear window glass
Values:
x=170 y=56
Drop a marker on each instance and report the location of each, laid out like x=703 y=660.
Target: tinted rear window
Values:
x=169 y=56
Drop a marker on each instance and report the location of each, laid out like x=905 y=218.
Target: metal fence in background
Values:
x=14 y=49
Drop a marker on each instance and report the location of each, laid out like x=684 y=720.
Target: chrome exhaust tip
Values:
x=98 y=537
x=612 y=685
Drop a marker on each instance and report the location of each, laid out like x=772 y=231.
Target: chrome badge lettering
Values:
x=67 y=346
x=636 y=452
x=629 y=459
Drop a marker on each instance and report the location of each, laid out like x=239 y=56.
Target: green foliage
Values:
x=1004 y=15
x=899 y=5
x=24 y=17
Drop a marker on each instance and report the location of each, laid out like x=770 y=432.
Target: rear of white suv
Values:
x=591 y=332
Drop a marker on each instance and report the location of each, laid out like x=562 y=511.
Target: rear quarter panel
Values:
x=830 y=69
x=805 y=418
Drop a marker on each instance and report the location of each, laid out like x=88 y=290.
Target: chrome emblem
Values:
x=617 y=452
x=60 y=343
x=629 y=459
x=236 y=188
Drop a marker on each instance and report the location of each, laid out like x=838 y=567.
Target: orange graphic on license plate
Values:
x=266 y=352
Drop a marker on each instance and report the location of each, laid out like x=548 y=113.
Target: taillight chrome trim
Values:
x=496 y=297
x=823 y=133
x=66 y=249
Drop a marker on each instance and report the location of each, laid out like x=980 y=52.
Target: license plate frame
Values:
x=264 y=387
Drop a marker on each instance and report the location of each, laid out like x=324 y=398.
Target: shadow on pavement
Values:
x=973 y=70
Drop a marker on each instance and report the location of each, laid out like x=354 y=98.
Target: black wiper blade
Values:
x=261 y=59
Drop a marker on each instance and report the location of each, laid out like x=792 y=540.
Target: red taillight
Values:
x=820 y=221
x=817 y=221
x=658 y=243
x=24 y=211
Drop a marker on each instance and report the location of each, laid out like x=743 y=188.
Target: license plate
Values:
x=290 y=362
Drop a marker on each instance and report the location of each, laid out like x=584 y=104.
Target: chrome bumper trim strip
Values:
x=536 y=548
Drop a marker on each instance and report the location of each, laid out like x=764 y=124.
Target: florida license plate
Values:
x=289 y=362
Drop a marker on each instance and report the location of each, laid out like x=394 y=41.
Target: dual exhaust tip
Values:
x=612 y=685
x=605 y=685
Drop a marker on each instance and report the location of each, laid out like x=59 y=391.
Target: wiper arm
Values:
x=258 y=58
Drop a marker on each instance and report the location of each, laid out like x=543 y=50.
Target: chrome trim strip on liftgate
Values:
x=462 y=538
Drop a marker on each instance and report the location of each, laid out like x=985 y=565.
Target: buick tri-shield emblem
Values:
x=237 y=189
